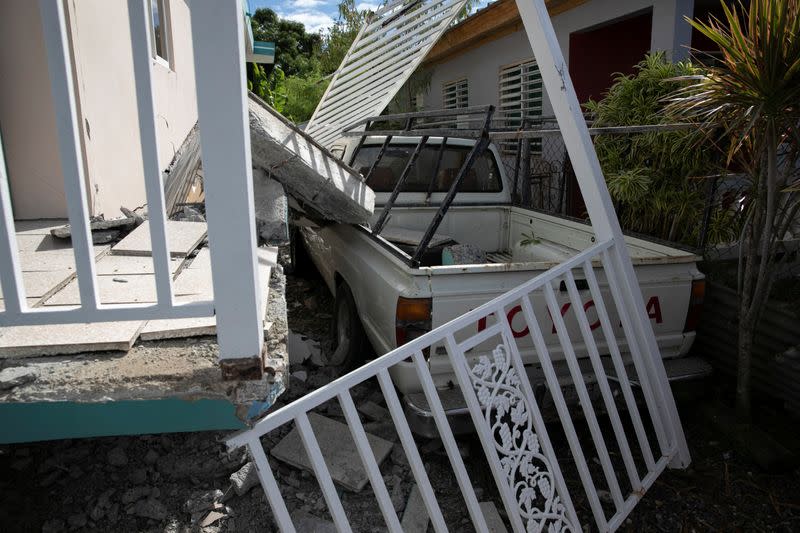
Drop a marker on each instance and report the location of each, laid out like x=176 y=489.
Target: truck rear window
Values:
x=482 y=177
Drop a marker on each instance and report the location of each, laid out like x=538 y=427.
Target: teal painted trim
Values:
x=29 y=422
x=264 y=48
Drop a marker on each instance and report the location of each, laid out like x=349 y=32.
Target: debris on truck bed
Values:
x=326 y=188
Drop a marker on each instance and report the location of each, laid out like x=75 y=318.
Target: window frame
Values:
x=165 y=24
x=433 y=150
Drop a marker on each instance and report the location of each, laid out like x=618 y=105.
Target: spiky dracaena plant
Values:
x=750 y=103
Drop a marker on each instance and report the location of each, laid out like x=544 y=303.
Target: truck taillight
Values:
x=695 y=305
x=412 y=320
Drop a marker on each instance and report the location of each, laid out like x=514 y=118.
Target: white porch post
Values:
x=217 y=33
x=555 y=75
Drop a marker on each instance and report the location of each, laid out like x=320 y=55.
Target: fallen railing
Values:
x=506 y=413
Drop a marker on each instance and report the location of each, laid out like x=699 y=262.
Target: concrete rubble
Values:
x=338 y=448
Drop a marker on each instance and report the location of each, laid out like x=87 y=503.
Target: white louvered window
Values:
x=520 y=98
x=455 y=94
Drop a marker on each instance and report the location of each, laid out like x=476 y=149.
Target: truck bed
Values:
x=498 y=230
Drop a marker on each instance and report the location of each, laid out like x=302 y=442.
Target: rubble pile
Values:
x=190 y=483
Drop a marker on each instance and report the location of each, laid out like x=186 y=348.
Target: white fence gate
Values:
x=507 y=416
x=525 y=468
x=218 y=43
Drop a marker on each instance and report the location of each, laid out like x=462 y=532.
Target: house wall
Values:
x=27 y=117
x=105 y=86
x=481 y=65
x=107 y=90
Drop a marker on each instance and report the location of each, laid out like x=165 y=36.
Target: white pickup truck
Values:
x=383 y=298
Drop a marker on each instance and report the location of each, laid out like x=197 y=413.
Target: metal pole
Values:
x=399 y=186
x=557 y=82
x=436 y=169
x=476 y=152
x=374 y=164
x=526 y=171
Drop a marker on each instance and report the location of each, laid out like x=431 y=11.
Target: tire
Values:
x=351 y=346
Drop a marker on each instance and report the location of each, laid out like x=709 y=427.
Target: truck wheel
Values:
x=301 y=261
x=350 y=341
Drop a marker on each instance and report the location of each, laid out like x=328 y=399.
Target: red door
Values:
x=596 y=55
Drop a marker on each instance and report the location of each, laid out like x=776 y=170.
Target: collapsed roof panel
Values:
x=326 y=188
x=384 y=55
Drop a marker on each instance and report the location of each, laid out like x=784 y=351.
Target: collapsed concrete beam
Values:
x=271 y=209
x=327 y=189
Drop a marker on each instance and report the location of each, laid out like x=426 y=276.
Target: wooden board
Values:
x=182 y=238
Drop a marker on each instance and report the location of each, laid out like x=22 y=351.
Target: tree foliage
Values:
x=341 y=35
x=753 y=97
x=649 y=174
x=296 y=51
x=304 y=61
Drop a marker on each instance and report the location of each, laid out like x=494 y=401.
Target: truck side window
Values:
x=482 y=177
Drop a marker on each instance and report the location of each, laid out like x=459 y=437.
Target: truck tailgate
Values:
x=666 y=289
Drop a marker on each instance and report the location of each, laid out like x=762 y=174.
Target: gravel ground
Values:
x=178 y=482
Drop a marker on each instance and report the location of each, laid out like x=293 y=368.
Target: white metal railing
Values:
x=224 y=133
x=505 y=412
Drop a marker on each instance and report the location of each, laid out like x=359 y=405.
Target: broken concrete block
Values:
x=271 y=209
x=211 y=518
x=17 y=375
x=326 y=188
x=308 y=523
x=415 y=516
x=245 y=478
x=493 y=519
x=65 y=232
x=338 y=449
x=302 y=348
x=202 y=501
x=373 y=411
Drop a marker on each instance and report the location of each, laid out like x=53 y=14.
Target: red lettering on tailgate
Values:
x=654 y=309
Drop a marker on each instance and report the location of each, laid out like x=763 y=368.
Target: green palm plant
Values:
x=749 y=105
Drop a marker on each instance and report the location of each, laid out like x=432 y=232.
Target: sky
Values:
x=316 y=15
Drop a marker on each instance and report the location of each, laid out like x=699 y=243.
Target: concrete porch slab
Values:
x=198 y=274
x=182 y=238
x=114 y=265
x=157 y=386
x=60 y=339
